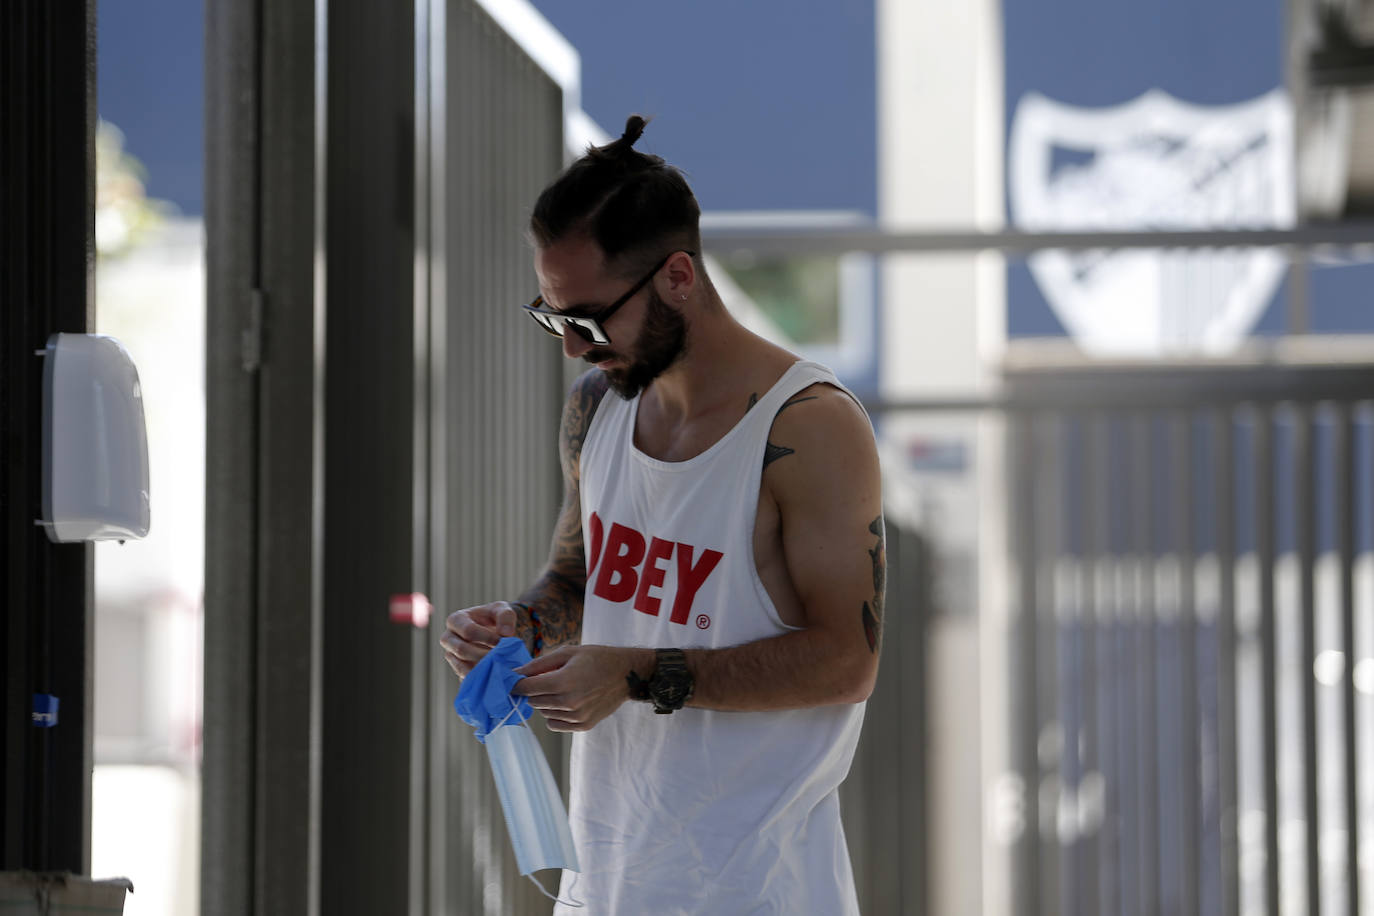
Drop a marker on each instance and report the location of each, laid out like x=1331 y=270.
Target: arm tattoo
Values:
x=557 y=595
x=578 y=412
x=773 y=452
x=557 y=600
x=873 y=612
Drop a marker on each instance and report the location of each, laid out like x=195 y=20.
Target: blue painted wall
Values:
x=765 y=104
x=772 y=105
x=150 y=84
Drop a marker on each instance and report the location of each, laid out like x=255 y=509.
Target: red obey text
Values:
x=630 y=565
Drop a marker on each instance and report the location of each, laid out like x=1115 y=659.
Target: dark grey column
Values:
x=263 y=461
x=369 y=473
x=47 y=216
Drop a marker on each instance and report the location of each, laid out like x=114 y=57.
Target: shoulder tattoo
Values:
x=772 y=452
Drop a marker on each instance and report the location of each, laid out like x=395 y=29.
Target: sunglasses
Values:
x=588 y=327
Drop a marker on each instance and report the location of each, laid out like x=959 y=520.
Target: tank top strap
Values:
x=799 y=376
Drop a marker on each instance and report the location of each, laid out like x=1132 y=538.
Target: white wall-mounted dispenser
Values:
x=95 y=443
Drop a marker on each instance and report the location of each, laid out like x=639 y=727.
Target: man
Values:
x=709 y=617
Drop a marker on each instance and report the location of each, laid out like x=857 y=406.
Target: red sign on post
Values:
x=413 y=609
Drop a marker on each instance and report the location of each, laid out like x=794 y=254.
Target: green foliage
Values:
x=800 y=295
x=124 y=214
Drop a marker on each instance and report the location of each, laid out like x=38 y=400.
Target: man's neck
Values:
x=709 y=373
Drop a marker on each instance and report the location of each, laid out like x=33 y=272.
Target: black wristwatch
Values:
x=669 y=687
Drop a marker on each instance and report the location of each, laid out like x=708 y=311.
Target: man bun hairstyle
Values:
x=634 y=205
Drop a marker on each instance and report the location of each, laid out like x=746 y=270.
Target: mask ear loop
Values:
x=524 y=720
x=572 y=903
x=514 y=711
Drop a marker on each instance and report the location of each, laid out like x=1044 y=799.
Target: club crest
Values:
x=1154 y=163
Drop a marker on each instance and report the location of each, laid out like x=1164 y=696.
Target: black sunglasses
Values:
x=589 y=327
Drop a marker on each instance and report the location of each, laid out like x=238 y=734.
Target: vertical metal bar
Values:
x=913 y=578
x=1073 y=684
x=1345 y=548
x=1304 y=486
x=1051 y=727
x=1264 y=530
x=424 y=507
x=1026 y=856
x=1190 y=800
x=1146 y=682
x=440 y=873
x=1098 y=863
x=1223 y=472
x=1125 y=708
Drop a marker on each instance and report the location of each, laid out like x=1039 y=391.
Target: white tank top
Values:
x=700 y=812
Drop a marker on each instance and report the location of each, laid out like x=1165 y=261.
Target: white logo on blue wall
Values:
x=1154 y=163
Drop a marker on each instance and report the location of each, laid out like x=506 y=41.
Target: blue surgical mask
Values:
x=533 y=807
x=530 y=800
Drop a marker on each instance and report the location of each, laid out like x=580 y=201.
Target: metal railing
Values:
x=1190 y=546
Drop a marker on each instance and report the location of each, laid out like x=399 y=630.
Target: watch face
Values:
x=671 y=690
x=672 y=682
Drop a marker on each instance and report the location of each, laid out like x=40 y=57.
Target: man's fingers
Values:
x=469 y=630
x=472 y=632
x=533 y=686
x=544 y=663
x=468 y=651
x=460 y=667
x=549 y=702
x=505 y=621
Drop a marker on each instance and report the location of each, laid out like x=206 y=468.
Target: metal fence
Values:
x=496 y=392
x=883 y=801
x=1189 y=693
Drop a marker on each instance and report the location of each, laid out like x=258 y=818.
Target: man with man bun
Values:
x=709 y=618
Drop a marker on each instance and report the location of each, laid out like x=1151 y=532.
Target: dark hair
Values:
x=633 y=205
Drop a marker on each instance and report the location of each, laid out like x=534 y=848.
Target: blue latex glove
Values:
x=485 y=697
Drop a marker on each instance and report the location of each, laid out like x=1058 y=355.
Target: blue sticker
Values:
x=44 y=710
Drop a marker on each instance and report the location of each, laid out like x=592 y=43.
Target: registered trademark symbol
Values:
x=703 y=622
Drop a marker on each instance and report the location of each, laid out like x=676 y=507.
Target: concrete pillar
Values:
x=940 y=155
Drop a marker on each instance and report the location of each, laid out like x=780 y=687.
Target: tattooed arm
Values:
x=823 y=478
x=822 y=473
x=555 y=599
x=556 y=596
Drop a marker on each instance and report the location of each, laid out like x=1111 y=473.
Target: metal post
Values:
x=1146 y=704
x=1346 y=495
x=1223 y=477
x=1190 y=797
x=1023 y=682
x=1050 y=543
x=1093 y=639
x=1264 y=528
x=1304 y=497
x=264 y=457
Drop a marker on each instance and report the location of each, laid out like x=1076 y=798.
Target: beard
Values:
x=662 y=341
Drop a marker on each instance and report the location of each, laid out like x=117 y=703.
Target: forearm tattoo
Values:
x=873 y=611
x=558 y=602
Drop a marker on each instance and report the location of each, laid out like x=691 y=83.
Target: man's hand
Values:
x=472 y=632
x=576 y=687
